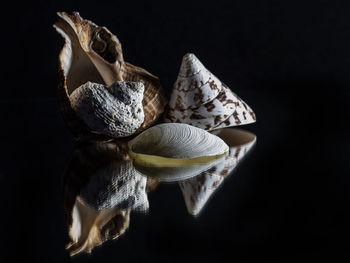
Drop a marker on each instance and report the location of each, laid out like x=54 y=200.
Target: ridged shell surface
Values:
x=177 y=140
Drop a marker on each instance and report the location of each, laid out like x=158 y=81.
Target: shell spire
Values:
x=200 y=99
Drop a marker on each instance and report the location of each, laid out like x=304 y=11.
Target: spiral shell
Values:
x=200 y=99
x=93 y=54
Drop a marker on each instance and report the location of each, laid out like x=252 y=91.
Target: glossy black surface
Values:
x=288 y=201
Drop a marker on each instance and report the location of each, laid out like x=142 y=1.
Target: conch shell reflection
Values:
x=101 y=189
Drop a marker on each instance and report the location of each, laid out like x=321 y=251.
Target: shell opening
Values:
x=104 y=46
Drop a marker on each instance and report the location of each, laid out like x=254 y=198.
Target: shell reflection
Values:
x=101 y=189
x=103 y=186
x=197 y=190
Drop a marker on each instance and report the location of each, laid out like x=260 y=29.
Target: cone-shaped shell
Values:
x=92 y=53
x=200 y=99
x=199 y=189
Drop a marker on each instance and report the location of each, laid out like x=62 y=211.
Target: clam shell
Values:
x=175 y=144
x=92 y=53
x=200 y=99
x=174 y=151
x=198 y=190
x=115 y=111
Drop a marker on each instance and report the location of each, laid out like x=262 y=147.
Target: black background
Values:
x=287 y=202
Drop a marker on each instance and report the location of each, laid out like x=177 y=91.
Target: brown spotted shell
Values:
x=200 y=99
x=92 y=53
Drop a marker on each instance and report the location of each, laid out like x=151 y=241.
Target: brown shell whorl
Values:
x=92 y=53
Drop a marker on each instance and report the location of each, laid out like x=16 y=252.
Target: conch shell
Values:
x=93 y=54
x=199 y=189
x=101 y=188
x=200 y=99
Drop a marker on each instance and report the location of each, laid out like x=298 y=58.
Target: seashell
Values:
x=91 y=228
x=174 y=151
x=115 y=111
x=101 y=188
x=175 y=145
x=92 y=53
x=200 y=99
x=199 y=189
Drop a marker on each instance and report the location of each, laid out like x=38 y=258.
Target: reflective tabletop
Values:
x=287 y=198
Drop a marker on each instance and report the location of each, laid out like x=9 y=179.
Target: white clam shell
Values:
x=177 y=141
x=114 y=111
x=200 y=99
x=199 y=189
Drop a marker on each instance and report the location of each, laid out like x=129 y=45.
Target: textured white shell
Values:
x=114 y=111
x=177 y=140
x=119 y=186
x=200 y=99
x=197 y=190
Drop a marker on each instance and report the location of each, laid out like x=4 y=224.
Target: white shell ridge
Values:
x=114 y=111
x=200 y=99
x=177 y=141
